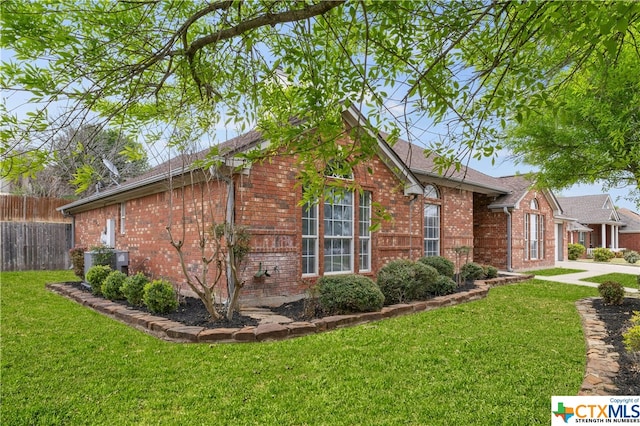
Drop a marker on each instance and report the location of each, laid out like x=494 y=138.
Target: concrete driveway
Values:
x=591 y=270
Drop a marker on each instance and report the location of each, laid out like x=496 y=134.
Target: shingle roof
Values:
x=414 y=157
x=589 y=208
x=631 y=220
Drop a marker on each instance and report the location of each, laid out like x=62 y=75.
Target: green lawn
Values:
x=627 y=280
x=493 y=361
x=550 y=272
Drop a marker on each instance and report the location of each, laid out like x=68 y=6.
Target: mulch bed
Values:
x=616 y=319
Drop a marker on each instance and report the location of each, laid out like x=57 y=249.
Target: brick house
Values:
x=630 y=231
x=597 y=222
x=432 y=215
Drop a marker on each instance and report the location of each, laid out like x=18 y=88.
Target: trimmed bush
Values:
x=349 y=293
x=443 y=265
x=612 y=292
x=96 y=276
x=133 y=288
x=490 y=271
x=471 y=271
x=602 y=254
x=76 y=255
x=404 y=280
x=576 y=251
x=631 y=256
x=442 y=286
x=160 y=297
x=631 y=337
x=112 y=285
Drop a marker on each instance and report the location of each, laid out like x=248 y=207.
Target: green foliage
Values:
x=443 y=265
x=76 y=255
x=631 y=337
x=602 y=254
x=442 y=286
x=348 y=294
x=96 y=276
x=490 y=271
x=194 y=65
x=103 y=255
x=404 y=280
x=160 y=296
x=631 y=256
x=112 y=285
x=612 y=292
x=472 y=271
x=133 y=288
x=575 y=251
x=588 y=131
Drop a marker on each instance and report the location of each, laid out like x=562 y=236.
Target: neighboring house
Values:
x=630 y=232
x=502 y=221
x=597 y=223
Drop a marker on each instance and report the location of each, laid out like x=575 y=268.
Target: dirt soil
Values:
x=617 y=321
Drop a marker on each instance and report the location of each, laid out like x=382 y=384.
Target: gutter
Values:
x=509 y=240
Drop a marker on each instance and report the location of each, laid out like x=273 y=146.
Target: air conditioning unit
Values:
x=122 y=261
x=119 y=260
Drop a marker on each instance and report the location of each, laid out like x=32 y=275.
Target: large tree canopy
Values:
x=172 y=71
x=590 y=130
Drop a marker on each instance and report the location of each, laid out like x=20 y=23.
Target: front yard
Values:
x=494 y=361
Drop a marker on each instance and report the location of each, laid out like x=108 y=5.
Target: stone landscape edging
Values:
x=166 y=329
x=602 y=359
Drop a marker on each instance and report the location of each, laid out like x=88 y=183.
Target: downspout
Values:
x=509 y=241
x=411 y=201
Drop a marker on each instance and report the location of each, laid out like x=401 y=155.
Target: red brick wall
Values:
x=490 y=232
x=267 y=204
x=456 y=223
x=629 y=241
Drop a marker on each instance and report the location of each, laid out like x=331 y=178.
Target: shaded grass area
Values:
x=494 y=361
x=627 y=280
x=550 y=272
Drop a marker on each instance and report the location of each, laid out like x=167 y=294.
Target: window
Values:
x=431 y=222
x=533 y=234
x=582 y=238
x=338 y=231
x=365 y=231
x=309 y=239
x=122 y=217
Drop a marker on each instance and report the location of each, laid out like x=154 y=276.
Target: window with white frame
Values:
x=338 y=231
x=310 y=239
x=431 y=222
x=364 y=221
x=534 y=233
x=123 y=214
x=582 y=238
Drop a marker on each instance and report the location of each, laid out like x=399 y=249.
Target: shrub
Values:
x=631 y=337
x=618 y=254
x=96 y=276
x=103 y=255
x=403 y=280
x=133 y=288
x=631 y=256
x=349 y=293
x=76 y=255
x=112 y=285
x=443 y=265
x=576 y=251
x=602 y=254
x=471 y=271
x=442 y=286
x=160 y=297
x=490 y=271
x=612 y=292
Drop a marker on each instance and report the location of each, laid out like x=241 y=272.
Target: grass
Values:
x=494 y=361
x=614 y=261
x=550 y=272
x=627 y=280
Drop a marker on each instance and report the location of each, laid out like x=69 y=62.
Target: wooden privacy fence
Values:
x=33 y=234
x=35 y=245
